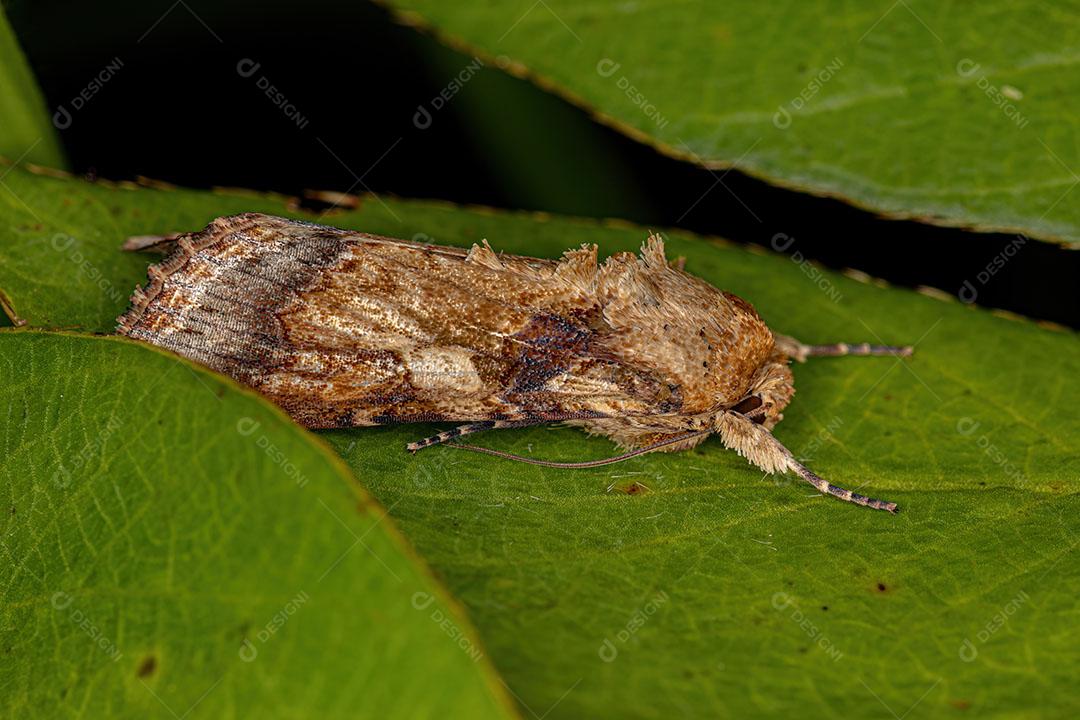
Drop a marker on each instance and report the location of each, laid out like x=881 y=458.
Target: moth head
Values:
x=730 y=349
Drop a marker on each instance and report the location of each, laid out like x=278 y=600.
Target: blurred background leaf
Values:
x=690 y=584
x=26 y=132
x=914 y=109
x=174 y=545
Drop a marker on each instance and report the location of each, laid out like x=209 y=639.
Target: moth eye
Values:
x=747 y=405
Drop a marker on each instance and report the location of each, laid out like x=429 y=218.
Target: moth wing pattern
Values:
x=344 y=328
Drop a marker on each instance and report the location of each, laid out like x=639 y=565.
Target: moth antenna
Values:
x=827 y=488
x=800 y=351
x=468 y=429
x=585 y=464
x=762 y=449
x=864 y=349
x=481 y=425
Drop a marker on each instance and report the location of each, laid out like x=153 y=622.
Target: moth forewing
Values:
x=343 y=328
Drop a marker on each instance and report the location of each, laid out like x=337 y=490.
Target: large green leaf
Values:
x=25 y=130
x=703 y=582
x=173 y=545
x=960 y=116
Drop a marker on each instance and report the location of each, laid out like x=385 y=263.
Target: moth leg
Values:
x=758 y=445
x=466 y=429
x=800 y=351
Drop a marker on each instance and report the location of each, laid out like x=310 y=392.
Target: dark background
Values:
x=178 y=110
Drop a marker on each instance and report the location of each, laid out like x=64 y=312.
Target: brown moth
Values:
x=343 y=328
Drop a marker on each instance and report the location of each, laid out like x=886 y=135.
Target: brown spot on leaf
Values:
x=632 y=488
x=147 y=666
x=960 y=704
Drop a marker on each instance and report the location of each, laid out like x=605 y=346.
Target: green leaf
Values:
x=705 y=583
x=912 y=109
x=173 y=544
x=27 y=132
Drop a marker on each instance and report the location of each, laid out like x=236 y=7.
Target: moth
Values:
x=343 y=328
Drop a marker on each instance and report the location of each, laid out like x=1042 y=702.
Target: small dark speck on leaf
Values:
x=881 y=587
x=220 y=391
x=12 y=509
x=888 y=396
x=147 y=666
x=803 y=650
x=960 y=704
x=825 y=608
x=634 y=488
